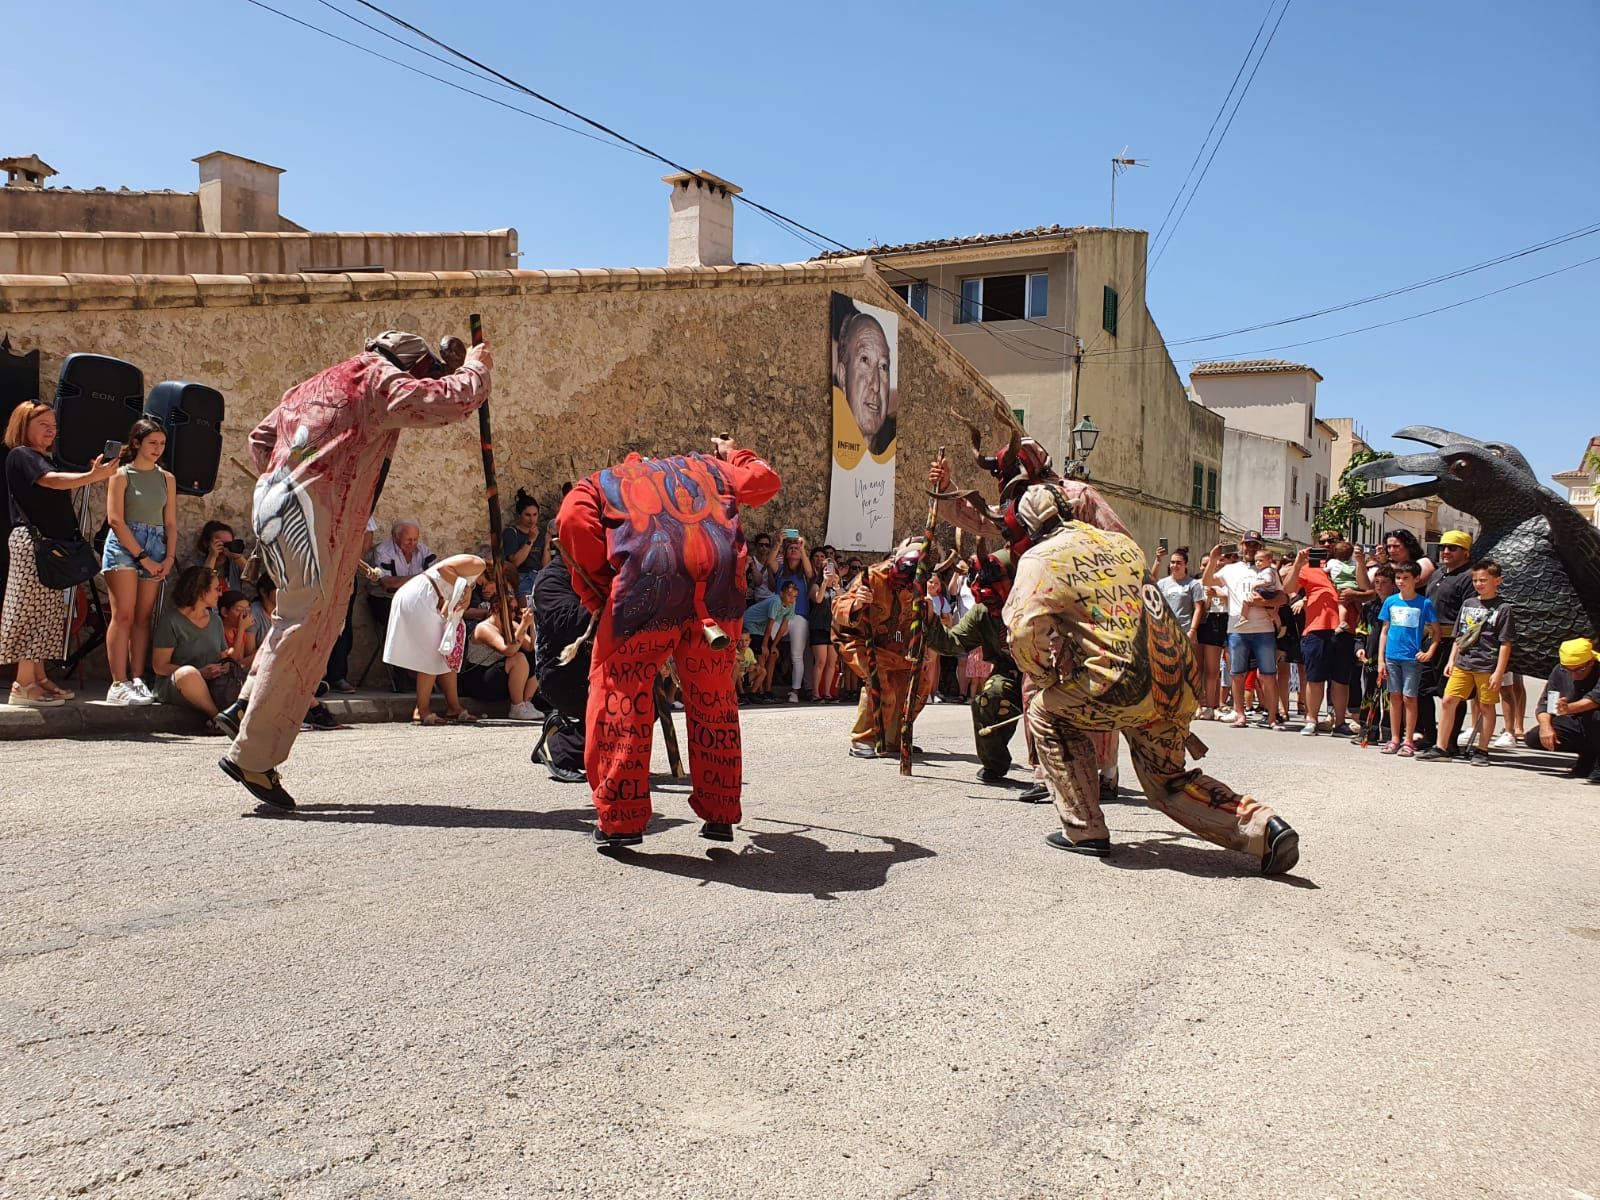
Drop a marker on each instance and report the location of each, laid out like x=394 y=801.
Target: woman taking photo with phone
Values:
x=33 y=622
x=142 y=510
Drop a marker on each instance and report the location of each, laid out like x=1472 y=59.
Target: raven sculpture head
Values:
x=1481 y=478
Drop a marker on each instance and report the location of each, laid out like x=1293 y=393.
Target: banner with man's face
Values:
x=866 y=375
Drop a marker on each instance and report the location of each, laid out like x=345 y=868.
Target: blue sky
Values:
x=1380 y=144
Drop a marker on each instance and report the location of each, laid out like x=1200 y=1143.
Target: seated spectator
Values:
x=266 y=603
x=500 y=668
x=1569 y=712
x=239 y=646
x=219 y=548
x=767 y=623
x=745 y=664
x=426 y=608
x=187 y=650
x=525 y=545
x=399 y=558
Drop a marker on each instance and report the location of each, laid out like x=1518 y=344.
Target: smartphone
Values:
x=111 y=451
x=791 y=535
x=1163 y=544
x=1319 y=555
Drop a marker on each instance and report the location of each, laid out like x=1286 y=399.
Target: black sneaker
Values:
x=615 y=841
x=1433 y=754
x=1283 y=848
x=1037 y=794
x=857 y=750
x=717 y=831
x=266 y=787
x=987 y=776
x=320 y=718
x=1098 y=847
x=1594 y=775
x=1478 y=758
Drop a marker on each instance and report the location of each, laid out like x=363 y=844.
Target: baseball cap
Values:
x=1577 y=651
x=1253 y=535
x=1456 y=538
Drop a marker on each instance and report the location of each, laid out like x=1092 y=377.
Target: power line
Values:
x=1549 y=243
x=1221 y=108
x=804 y=233
x=1397 y=321
x=430 y=75
x=1260 y=58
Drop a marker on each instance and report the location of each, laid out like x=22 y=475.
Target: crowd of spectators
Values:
x=1386 y=648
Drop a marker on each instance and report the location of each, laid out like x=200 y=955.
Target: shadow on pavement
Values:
x=1170 y=852
x=452 y=816
x=785 y=864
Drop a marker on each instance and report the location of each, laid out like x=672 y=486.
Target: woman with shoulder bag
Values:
x=142 y=511
x=42 y=523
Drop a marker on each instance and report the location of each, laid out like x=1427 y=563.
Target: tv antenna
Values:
x=1119 y=164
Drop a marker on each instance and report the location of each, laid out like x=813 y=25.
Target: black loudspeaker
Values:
x=192 y=415
x=97 y=399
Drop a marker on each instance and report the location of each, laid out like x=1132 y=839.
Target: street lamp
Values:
x=1084 y=436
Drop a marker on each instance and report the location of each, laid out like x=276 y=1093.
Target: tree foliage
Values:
x=1343 y=509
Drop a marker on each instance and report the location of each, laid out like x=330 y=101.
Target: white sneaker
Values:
x=1309 y=729
x=524 y=712
x=794 y=697
x=1503 y=740
x=120 y=694
x=139 y=692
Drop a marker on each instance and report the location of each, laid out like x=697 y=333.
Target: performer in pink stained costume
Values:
x=320 y=453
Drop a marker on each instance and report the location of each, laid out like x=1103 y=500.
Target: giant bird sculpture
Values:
x=1549 y=554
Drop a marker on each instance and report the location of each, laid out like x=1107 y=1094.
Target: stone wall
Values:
x=589 y=365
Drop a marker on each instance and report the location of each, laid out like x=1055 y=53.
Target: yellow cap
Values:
x=1456 y=537
x=1578 y=651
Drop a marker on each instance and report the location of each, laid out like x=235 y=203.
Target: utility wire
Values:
x=804 y=233
x=430 y=75
x=1549 y=243
x=1397 y=321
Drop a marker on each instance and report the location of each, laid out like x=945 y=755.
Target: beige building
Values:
x=230 y=225
x=1276 y=452
x=1581 y=482
x=1020 y=307
x=590 y=364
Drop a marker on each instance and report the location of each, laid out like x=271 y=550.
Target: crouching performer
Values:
x=562 y=622
x=1092 y=631
x=999 y=702
x=319 y=453
x=872 y=626
x=658 y=558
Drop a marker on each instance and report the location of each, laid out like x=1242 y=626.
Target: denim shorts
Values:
x=1405 y=678
x=152 y=539
x=1257 y=651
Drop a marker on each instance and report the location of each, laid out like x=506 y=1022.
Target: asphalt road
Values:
x=430 y=985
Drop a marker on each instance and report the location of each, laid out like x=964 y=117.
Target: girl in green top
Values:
x=142 y=510
x=189 y=642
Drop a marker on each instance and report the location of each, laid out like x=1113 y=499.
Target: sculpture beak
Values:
x=1430 y=435
x=1408 y=464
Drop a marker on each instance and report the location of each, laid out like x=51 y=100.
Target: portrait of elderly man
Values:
x=863 y=372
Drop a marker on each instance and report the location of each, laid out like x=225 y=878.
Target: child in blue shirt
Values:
x=767 y=622
x=1407 y=619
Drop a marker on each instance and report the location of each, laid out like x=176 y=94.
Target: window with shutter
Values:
x=1199 y=494
x=1108 y=309
x=1211 y=490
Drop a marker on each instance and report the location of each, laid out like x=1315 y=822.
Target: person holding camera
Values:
x=220 y=549
x=33 y=622
x=142 y=511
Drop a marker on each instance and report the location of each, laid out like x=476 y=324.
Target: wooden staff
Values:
x=669 y=731
x=919 y=641
x=492 y=493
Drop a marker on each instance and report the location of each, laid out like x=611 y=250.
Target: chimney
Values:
x=26 y=171
x=700 y=229
x=237 y=195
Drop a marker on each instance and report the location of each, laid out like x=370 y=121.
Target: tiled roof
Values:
x=977 y=239
x=1250 y=366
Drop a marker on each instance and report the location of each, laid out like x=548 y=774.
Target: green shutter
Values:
x=1108 y=309
x=1211 y=489
x=1199 y=485
x=1019 y=415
